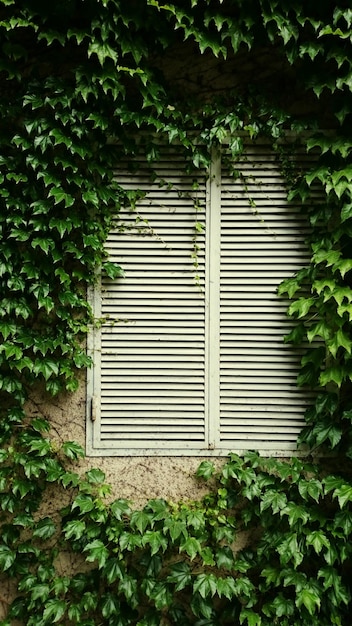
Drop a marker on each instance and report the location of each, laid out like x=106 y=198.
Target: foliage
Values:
x=84 y=86
x=176 y=563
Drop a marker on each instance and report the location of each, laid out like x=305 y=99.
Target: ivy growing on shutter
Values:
x=191 y=360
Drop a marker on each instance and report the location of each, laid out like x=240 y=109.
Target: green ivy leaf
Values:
x=156 y=540
x=54 y=610
x=343 y=519
x=296 y=514
x=83 y=502
x=205 y=585
x=309 y=597
x=141 y=520
x=175 y=528
x=301 y=307
x=318 y=540
x=130 y=541
x=103 y=51
x=40 y=591
x=109 y=605
x=120 y=508
x=74 y=529
x=72 y=450
x=46 y=367
x=61 y=196
x=344 y=494
x=95 y=476
x=161 y=595
x=205 y=470
x=191 y=546
x=289 y=550
x=274 y=500
x=335 y=374
x=224 y=557
x=128 y=586
x=96 y=552
x=202 y=607
x=113 y=570
x=180 y=575
x=45 y=528
x=250 y=617
x=311 y=488
x=7 y=557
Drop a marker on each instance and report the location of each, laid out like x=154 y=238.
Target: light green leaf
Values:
x=103 y=51
x=54 y=610
x=343 y=494
x=129 y=587
x=83 y=502
x=96 y=552
x=46 y=367
x=175 y=528
x=296 y=514
x=40 y=591
x=289 y=550
x=318 y=540
x=340 y=340
x=273 y=499
x=250 y=617
x=95 y=476
x=191 y=546
x=72 y=450
x=113 y=270
x=321 y=329
x=205 y=585
x=224 y=557
x=226 y=587
x=310 y=598
x=61 y=196
x=156 y=540
x=335 y=374
x=141 y=520
x=346 y=212
x=120 y=508
x=301 y=307
x=74 y=529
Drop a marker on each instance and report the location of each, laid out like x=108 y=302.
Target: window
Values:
x=191 y=360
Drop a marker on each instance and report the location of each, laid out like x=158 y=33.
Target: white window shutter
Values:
x=196 y=367
x=262 y=243
x=151 y=380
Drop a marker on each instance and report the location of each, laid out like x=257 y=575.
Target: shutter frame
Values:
x=235 y=421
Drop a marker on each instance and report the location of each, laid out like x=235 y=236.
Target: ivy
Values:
x=84 y=89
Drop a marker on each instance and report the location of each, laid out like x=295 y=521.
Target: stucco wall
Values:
x=135 y=478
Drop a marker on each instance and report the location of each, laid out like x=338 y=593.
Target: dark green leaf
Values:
x=45 y=528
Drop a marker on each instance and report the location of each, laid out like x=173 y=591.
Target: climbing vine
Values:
x=87 y=84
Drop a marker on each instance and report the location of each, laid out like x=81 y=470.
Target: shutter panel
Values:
x=262 y=243
x=152 y=344
x=182 y=368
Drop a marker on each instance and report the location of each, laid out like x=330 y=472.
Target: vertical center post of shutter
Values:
x=212 y=286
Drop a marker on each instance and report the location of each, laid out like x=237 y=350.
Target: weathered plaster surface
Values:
x=136 y=478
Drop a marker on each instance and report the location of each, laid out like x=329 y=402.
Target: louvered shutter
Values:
x=262 y=243
x=151 y=376
x=186 y=366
